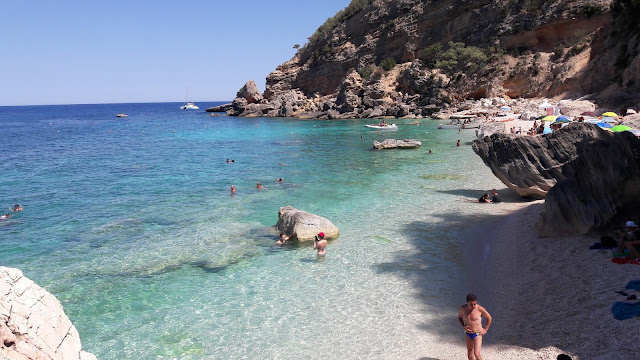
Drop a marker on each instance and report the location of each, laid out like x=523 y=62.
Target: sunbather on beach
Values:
x=470 y=317
x=484 y=199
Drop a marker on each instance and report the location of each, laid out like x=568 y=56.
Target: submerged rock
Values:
x=305 y=225
x=33 y=324
x=395 y=144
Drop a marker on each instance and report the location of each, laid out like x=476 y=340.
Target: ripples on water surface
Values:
x=129 y=222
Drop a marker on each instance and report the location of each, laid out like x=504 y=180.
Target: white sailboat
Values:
x=188 y=105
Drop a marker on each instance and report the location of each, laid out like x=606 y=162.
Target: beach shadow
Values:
x=434 y=268
x=451 y=258
x=506 y=195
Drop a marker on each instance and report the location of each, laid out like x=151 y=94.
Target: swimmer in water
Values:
x=319 y=243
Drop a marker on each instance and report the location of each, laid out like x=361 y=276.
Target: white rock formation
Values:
x=305 y=225
x=33 y=324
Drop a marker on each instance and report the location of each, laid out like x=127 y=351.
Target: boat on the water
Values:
x=121 y=115
x=189 y=106
x=382 y=127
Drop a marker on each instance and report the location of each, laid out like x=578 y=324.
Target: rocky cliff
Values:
x=33 y=325
x=531 y=165
x=601 y=191
x=590 y=178
x=410 y=58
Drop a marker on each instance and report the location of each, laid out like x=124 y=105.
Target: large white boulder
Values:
x=33 y=324
x=305 y=225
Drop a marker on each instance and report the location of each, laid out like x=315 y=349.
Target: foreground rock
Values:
x=304 y=224
x=531 y=165
x=33 y=324
x=397 y=144
x=601 y=190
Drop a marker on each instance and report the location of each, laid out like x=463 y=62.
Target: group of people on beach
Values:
x=485 y=198
x=629 y=239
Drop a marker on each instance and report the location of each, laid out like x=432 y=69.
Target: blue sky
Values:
x=73 y=52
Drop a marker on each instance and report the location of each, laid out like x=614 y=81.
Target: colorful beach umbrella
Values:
x=604 y=125
x=609 y=119
x=635 y=132
x=611 y=114
x=588 y=113
x=620 y=128
x=563 y=118
x=549 y=118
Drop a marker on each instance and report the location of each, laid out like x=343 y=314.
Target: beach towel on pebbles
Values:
x=625 y=260
x=625 y=311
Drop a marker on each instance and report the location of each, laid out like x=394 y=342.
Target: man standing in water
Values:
x=470 y=317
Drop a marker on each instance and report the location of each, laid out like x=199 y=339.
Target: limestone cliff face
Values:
x=589 y=178
x=531 y=165
x=602 y=191
x=527 y=48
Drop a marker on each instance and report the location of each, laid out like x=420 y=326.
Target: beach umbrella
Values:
x=604 y=125
x=609 y=120
x=560 y=122
x=635 y=132
x=620 y=128
x=588 y=113
x=505 y=108
x=545 y=105
x=549 y=118
x=611 y=114
x=563 y=118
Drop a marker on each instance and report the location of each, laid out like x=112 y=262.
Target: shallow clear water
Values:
x=130 y=224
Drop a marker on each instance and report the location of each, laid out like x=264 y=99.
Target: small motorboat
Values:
x=383 y=127
x=121 y=115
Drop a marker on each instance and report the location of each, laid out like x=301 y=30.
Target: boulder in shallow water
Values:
x=33 y=324
x=396 y=144
x=305 y=225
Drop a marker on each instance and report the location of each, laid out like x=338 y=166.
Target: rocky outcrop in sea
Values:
x=33 y=325
x=396 y=144
x=304 y=224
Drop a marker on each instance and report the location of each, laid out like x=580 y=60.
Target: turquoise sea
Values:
x=129 y=222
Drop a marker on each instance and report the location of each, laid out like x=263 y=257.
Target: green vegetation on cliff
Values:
x=343 y=15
